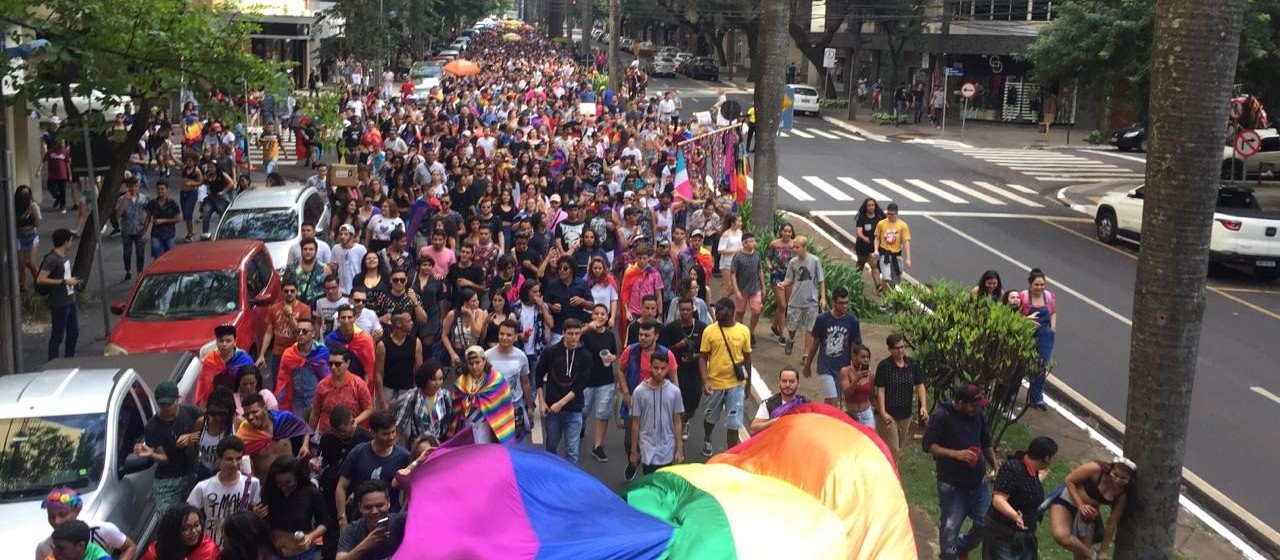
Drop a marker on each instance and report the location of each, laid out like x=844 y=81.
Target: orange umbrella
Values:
x=462 y=67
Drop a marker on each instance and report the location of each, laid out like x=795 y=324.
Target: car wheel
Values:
x=1122 y=148
x=1266 y=273
x=1232 y=169
x=1105 y=226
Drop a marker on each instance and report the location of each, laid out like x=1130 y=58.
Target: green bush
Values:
x=838 y=272
x=959 y=338
x=885 y=117
x=1096 y=138
x=835 y=103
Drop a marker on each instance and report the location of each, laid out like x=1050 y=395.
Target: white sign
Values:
x=968 y=90
x=587 y=109
x=829 y=58
x=702 y=117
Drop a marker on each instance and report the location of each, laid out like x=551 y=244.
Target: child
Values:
x=656 y=420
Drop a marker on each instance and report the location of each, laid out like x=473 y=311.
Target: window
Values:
x=313 y=210
x=259 y=274
x=1004 y=10
x=1271 y=144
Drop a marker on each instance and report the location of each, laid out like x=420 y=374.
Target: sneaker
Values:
x=776 y=333
x=630 y=472
x=128 y=276
x=598 y=455
x=786 y=348
x=753 y=340
x=706 y=449
x=206 y=236
x=684 y=435
x=1039 y=406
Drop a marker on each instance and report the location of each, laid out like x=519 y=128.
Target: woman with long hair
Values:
x=373 y=275
x=249 y=381
x=245 y=536
x=429 y=289
x=989 y=286
x=294 y=505
x=776 y=258
x=604 y=288
x=463 y=327
x=1075 y=508
x=1037 y=304
x=219 y=421
x=865 y=231
x=28 y=213
x=499 y=311
x=180 y=536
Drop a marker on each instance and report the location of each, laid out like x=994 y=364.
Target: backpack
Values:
x=1024 y=298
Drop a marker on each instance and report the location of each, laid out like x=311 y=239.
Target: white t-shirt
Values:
x=323 y=255
x=730 y=240
x=219 y=501
x=348 y=261
x=329 y=310
x=107 y=536
x=511 y=366
x=367 y=320
x=604 y=294
x=382 y=226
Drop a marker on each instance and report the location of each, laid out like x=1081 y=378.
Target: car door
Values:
x=128 y=499
x=314 y=210
x=1129 y=211
x=1268 y=157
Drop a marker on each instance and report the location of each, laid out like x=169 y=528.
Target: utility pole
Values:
x=615 y=31
x=771 y=55
x=586 y=19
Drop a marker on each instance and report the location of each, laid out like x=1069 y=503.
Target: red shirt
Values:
x=352 y=393
x=281 y=327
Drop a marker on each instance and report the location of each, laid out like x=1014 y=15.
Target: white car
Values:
x=1243 y=234
x=95 y=101
x=683 y=57
x=664 y=66
x=425 y=76
x=274 y=215
x=806 y=99
x=625 y=42
x=448 y=54
x=1267 y=159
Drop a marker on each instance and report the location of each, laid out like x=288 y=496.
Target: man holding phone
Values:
x=378 y=534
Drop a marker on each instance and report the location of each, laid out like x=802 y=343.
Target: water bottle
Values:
x=299 y=535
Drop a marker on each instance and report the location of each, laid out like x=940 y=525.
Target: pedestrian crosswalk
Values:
x=287 y=152
x=1048 y=165
x=818 y=191
x=812 y=133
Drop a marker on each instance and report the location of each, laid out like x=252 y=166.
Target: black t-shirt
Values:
x=868 y=226
x=334 y=450
x=164 y=434
x=899 y=386
x=568 y=233
x=601 y=374
x=364 y=464
x=594 y=169
x=351 y=136
x=473 y=273
x=357 y=530
x=56 y=264
x=557 y=377
x=158 y=211
x=532 y=255
x=952 y=429
x=686 y=356
x=518 y=147
x=1023 y=490
x=302 y=510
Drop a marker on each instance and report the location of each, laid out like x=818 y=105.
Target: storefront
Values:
x=1005 y=92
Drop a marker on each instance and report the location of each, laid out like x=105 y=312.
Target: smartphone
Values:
x=383 y=523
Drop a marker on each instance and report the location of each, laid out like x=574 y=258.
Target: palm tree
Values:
x=1193 y=64
x=771 y=53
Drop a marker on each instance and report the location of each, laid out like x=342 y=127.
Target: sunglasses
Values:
x=337 y=363
x=399 y=280
x=359 y=300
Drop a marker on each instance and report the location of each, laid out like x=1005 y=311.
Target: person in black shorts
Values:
x=870 y=215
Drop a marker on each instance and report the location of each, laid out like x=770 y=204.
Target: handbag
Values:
x=740 y=370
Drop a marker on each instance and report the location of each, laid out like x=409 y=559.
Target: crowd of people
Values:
x=515 y=254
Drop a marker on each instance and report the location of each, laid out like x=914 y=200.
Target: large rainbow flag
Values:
x=815 y=485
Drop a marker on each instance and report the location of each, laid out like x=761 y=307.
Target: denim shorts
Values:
x=28 y=240
x=600 y=401
x=729 y=400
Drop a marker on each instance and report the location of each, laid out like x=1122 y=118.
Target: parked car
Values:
x=1267 y=159
x=646 y=48
x=74 y=423
x=178 y=300
x=598 y=34
x=625 y=43
x=683 y=57
x=1132 y=138
x=95 y=101
x=274 y=216
x=667 y=51
x=425 y=76
x=703 y=68
x=449 y=54
x=1243 y=234
x=663 y=67
x=806 y=99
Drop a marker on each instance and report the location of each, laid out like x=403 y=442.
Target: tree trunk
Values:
x=852 y=79
x=615 y=31
x=586 y=20
x=1169 y=293
x=771 y=60
x=752 y=31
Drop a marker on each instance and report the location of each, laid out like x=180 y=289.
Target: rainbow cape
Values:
x=492 y=395
x=284 y=425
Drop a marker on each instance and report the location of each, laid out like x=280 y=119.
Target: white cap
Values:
x=555 y=198
x=54 y=120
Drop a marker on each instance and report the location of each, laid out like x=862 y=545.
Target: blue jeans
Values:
x=564 y=424
x=66 y=325
x=160 y=245
x=954 y=505
x=213 y=204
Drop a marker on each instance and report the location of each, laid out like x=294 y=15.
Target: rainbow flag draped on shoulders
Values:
x=491 y=395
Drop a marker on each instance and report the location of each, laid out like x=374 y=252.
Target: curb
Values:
x=1237 y=520
x=855 y=129
x=1064 y=199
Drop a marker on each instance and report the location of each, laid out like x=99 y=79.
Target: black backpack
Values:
x=45 y=290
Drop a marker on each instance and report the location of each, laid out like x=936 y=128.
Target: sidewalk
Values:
x=976 y=133
x=1194 y=539
x=93 y=337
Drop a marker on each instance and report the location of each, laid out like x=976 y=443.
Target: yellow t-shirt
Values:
x=892 y=235
x=720 y=374
x=270 y=144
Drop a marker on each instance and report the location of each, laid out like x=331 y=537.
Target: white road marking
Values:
x=1021 y=188
x=1011 y=196
x=795 y=191
x=853 y=137
x=1023 y=266
x=856 y=184
x=937 y=191
x=828 y=188
x=1116 y=155
x=913 y=197
x=962 y=214
x=824 y=134
x=972 y=192
x=1081 y=168
x=1088 y=179
x=801 y=133
x=1266 y=393
x=784 y=135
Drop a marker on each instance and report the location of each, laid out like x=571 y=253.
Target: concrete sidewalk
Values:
x=976 y=133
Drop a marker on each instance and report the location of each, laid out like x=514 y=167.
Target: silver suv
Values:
x=274 y=215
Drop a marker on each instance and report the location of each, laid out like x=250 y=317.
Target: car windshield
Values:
x=426 y=71
x=38 y=454
x=186 y=295
x=264 y=224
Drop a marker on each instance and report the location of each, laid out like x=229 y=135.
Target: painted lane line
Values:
x=784 y=135
x=1249 y=304
x=960 y=214
x=972 y=192
x=801 y=133
x=823 y=134
x=1117 y=155
x=1059 y=285
x=861 y=187
x=1011 y=196
x=795 y=191
x=938 y=192
x=848 y=136
x=828 y=188
x=1265 y=393
x=1092 y=167
x=913 y=197
x=1023 y=189
x=1095 y=179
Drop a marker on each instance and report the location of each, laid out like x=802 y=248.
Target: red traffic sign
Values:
x=968 y=90
x=1248 y=143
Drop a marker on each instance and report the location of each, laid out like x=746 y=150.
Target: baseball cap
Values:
x=555 y=198
x=475 y=352
x=347 y=228
x=167 y=393
x=696 y=233
x=571 y=203
x=628 y=194
x=970 y=394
